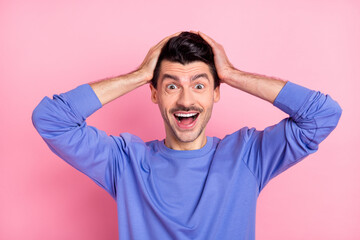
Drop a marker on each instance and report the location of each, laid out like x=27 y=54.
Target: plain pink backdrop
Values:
x=49 y=47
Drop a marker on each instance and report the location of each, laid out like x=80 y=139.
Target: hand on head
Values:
x=148 y=65
x=223 y=66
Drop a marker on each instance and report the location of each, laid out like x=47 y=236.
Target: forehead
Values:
x=185 y=71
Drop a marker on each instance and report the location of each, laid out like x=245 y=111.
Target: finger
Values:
x=157 y=48
x=163 y=41
x=208 y=39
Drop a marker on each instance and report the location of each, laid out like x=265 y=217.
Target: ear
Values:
x=217 y=94
x=154 y=98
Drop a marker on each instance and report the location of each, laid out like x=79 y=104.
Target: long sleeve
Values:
x=61 y=123
x=312 y=117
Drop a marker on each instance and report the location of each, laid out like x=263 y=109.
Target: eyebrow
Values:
x=201 y=75
x=193 y=78
x=173 y=77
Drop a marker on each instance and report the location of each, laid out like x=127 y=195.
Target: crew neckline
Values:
x=186 y=153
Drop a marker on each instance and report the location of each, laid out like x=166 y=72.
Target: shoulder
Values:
x=128 y=141
x=244 y=134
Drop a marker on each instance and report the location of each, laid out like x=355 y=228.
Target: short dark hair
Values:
x=185 y=48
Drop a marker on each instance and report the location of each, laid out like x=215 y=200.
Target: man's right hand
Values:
x=147 y=67
x=109 y=89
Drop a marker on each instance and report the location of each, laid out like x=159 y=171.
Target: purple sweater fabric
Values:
x=209 y=193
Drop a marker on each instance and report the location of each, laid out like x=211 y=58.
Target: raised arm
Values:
x=109 y=89
x=261 y=86
x=312 y=117
x=61 y=123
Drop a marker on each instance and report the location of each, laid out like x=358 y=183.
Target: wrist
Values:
x=140 y=77
x=231 y=76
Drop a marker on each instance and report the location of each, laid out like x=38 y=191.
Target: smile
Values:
x=186 y=120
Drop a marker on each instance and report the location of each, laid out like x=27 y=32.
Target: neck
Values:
x=185 y=146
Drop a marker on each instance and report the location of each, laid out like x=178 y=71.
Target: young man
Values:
x=187 y=186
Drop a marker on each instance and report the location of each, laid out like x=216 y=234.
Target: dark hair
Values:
x=186 y=48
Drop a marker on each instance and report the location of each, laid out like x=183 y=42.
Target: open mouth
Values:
x=186 y=120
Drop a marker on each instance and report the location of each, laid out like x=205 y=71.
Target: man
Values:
x=187 y=186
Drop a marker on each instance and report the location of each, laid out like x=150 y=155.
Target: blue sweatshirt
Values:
x=209 y=193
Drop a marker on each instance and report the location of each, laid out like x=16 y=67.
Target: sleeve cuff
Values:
x=84 y=100
x=292 y=97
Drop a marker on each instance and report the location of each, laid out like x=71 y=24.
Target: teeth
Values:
x=185 y=114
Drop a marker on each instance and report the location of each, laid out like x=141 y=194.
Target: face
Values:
x=185 y=95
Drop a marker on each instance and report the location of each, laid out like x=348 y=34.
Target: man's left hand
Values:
x=223 y=66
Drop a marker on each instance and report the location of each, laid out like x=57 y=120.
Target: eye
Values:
x=199 y=86
x=171 y=86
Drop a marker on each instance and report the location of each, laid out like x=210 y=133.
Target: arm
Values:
x=261 y=86
x=61 y=123
x=312 y=117
x=109 y=89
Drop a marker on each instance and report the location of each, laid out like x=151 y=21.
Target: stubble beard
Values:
x=188 y=136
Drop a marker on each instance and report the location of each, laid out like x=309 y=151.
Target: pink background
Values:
x=49 y=47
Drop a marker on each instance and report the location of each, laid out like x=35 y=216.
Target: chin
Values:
x=188 y=137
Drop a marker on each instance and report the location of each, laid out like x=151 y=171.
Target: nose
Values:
x=186 y=98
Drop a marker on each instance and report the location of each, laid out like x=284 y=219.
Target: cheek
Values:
x=208 y=105
x=167 y=99
x=206 y=98
x=163 y=111
x=164 y=105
